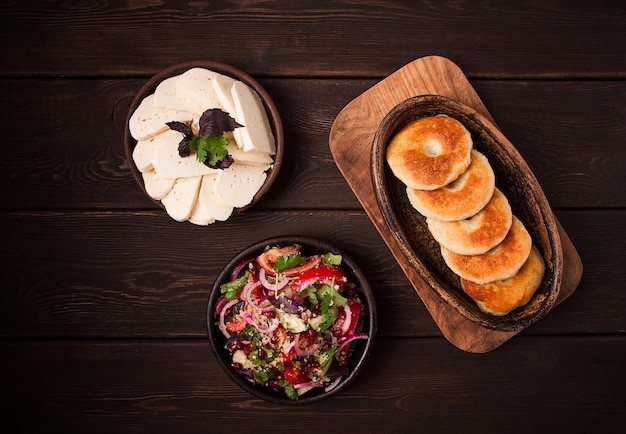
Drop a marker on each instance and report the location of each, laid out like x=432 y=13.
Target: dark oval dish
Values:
x=513 y=177
x=270 y=108
x=310 y=246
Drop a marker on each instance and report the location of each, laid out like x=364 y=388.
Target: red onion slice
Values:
x=221 y=324
x=307 y=384
x=240 y=266
x=274 y=284
x=347 y=320
x=333 y=385
x=349 y=340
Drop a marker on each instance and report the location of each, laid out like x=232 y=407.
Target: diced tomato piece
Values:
x=294 y=375
x=236 y=325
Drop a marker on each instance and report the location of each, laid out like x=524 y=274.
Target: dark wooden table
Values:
x=103 y=296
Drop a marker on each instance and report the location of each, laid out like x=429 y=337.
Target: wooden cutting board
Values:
x=351 y=142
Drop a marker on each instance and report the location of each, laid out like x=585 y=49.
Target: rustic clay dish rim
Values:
x=231 y=71
x=543 y=229
x=361 y=353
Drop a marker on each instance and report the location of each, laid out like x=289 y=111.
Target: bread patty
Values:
x=502 y=296
x=460 y=199
x=430 y=152
x=479 y=233
x=501 y=262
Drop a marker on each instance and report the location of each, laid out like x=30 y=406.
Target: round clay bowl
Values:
x=361 y=352
x=270 y=108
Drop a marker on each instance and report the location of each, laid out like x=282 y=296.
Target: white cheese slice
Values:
x=249 y=157
x=256 y=133
x=144 y=151
x=148 y=120
x=155 y=186
x=197 y=83
x=181 y=199
x=168 y=163
x=223 y=88
x=208 y=209
x=222 y=85
x=237 y=185
x=170 y=95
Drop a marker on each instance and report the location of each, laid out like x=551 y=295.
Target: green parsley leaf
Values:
x=286 y=262
x=311 y=293
x=209 y=150
x=331 y=259
x=289 y=389
x=232 y=289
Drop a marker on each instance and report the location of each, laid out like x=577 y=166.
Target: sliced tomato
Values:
x=294 y=375
x=267 y=259
x=323 y=272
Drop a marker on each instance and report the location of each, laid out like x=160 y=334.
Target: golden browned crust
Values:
x=460 y=199
x=502 y=296
x=501 y=262
x=430 y=152
x=478 y=234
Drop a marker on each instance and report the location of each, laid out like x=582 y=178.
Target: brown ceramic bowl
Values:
x=513 y=177
x=270 y=108
x=362 y=349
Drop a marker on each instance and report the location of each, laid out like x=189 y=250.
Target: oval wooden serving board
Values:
x=350 y=143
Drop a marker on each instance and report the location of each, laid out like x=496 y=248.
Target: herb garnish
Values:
x=210 y=143
x=285 y=262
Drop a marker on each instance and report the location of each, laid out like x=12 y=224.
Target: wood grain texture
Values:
x=143 y=275
x=351 y=141
x=516 y=39
x=569 y=132
x=177 y=386
x=102 y=303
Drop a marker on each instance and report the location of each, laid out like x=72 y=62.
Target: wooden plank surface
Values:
x=81 y=164
x=365 y=38
x=176 y=386
x=141 y=274
x=102 y=302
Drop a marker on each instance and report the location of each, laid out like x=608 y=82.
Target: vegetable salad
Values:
x=291 y=321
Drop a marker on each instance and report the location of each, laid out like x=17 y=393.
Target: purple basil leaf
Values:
x=184 y=149
x=181 y=127
x=222 y=164
x=215 y=121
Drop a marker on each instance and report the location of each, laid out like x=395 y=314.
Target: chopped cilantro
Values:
x=289 y=389
x=209 y=150
x=331 y=259
x=232 y=289
x=286 y=262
